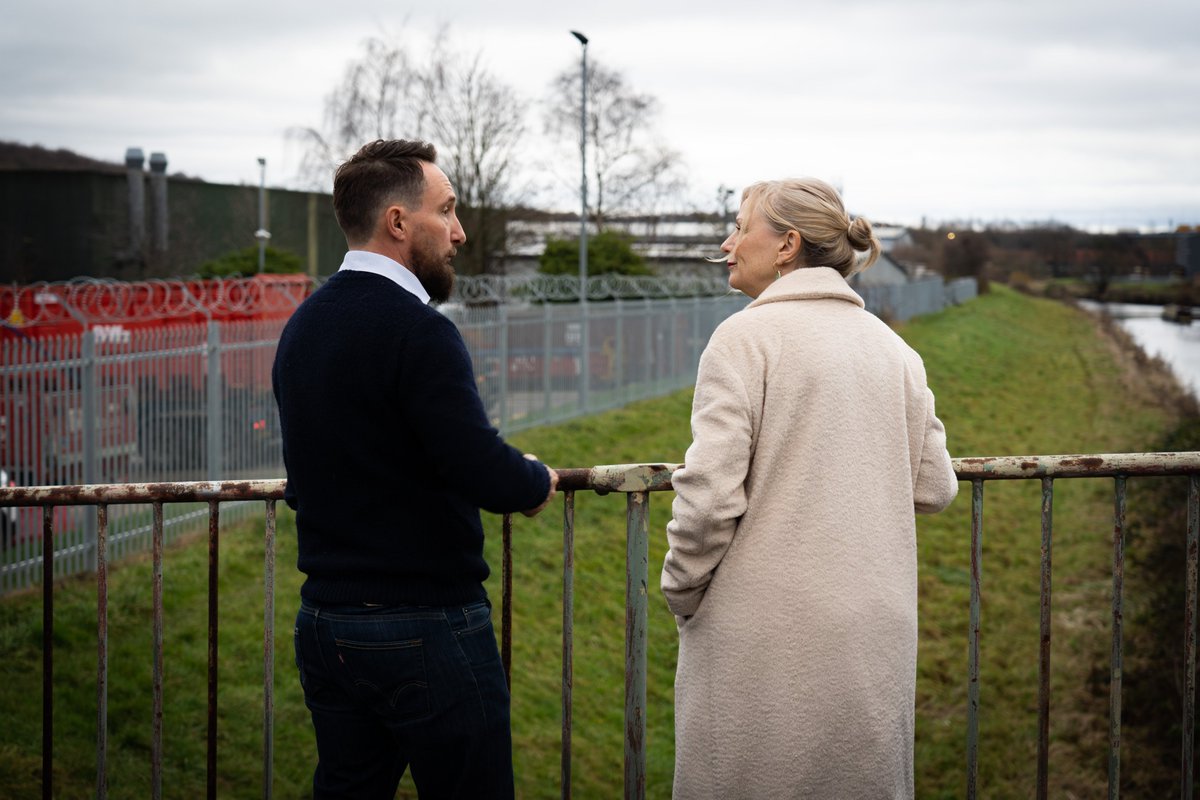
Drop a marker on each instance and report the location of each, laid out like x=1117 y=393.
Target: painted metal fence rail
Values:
x=636 y=481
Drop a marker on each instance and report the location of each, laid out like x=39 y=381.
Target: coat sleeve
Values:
x=710 y=493
x=934 y=484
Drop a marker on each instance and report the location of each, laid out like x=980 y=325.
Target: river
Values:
x=1176 y=344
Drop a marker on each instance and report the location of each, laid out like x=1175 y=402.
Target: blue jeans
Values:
x=390 y=688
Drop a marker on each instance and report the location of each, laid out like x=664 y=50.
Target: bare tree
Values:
x=375 y=99
x=628 y=167
x=478 y=123
x=451 y=99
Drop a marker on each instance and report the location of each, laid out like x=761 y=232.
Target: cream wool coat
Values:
x=792 y=566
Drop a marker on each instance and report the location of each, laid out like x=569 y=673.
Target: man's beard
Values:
x=435 y=272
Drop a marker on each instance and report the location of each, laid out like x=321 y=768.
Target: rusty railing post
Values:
x=636 y=578
x=1117 y=662
x=102 y=652
x=156 y=752
x=47 y=652
x=269 y=651
x=1189 y=638
x=973 y=640
x=1043 y=766
x=213 y=553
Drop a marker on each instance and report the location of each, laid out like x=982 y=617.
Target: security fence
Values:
x=899 y=302
x=182 y=400
x=529 y=360
x=145 y=389
x=113 y=404
x=904 y=301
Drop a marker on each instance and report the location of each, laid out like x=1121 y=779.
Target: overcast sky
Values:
x=1084 y=112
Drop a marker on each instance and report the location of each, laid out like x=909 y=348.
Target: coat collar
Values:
x=809 y=283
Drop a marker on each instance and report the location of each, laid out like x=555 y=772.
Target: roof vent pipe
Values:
x=158 y=192
x=134 y=160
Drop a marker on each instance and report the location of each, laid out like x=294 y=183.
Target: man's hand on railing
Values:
x=533 y=512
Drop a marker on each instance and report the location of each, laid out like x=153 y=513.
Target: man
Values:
x=389 y=458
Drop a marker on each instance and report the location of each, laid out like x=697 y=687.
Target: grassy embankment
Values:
x=1013 y=375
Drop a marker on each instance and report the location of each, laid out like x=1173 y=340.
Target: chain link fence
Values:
x=181 y=402
x=529 y=363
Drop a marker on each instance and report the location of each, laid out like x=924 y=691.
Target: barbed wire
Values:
x=104 y=300
x=480 y=289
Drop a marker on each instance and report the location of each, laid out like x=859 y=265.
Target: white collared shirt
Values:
x=366 y=261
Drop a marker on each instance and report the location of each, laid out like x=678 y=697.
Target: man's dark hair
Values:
x=381 y=173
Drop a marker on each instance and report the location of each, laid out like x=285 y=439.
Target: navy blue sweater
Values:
x=388 y=450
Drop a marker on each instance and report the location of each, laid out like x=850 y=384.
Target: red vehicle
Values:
x=146 y=370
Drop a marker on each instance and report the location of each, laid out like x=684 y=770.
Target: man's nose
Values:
x=457 y=234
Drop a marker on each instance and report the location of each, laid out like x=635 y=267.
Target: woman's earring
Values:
x=778 y=274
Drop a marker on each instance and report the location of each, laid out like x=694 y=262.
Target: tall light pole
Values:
x=262 y=234
x=583 y=263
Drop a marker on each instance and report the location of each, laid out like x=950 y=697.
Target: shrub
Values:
x=245 y=262
x=607 y=251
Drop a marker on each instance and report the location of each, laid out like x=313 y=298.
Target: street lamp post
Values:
x=262 y=234
x=583 y=262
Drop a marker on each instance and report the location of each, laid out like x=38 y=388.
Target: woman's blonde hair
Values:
x=812 y=208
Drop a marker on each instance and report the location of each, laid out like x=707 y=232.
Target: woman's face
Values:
x=753 y=250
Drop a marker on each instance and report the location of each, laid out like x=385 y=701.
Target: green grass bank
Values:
x=1012 y=375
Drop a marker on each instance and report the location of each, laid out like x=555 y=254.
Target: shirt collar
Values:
x=366 y=261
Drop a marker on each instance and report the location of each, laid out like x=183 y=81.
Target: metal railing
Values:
x=636 y=481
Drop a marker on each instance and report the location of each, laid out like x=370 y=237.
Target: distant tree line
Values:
x=1041 y=252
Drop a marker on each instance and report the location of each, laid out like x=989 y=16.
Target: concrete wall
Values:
x=57 y=224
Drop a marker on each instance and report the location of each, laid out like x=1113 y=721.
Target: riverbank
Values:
x=1013 y=375
x=1155 y=586
x=1152 y=293
x=1172 y=340
x=1024 y=375
x=1155 y=663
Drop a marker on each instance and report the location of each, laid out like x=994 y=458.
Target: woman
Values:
x=792 y=568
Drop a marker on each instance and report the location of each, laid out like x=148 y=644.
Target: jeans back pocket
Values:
x=389 y=675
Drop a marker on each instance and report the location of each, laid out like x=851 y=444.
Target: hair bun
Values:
x=860 y=234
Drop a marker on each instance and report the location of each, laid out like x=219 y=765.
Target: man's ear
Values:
x=396 y=222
